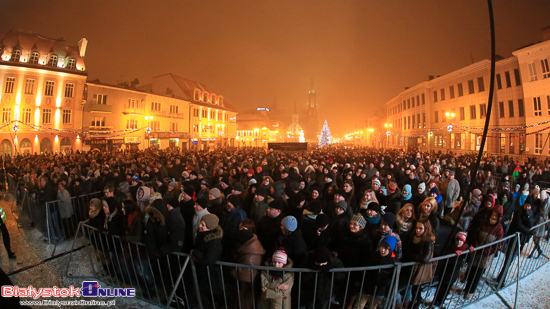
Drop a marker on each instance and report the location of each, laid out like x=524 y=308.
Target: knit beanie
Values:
x=290 y=223
x=392 y=186
x=434 y=190
x=234 y=200
x=322 y=255
x=225 y=180
x=461 y=236
x=280 y=256
x=252 y=181
x=211 y=221
x=238 y=187
x=490 y=198
x=261 y=191
x=391 y=241
x=215 y=192
x=389 y=219
x=202 y=202
x=343 y=205
x=250 y=172
x=376 y=182
x=526 y=189
x=322 y=220
x=189 y=190
x=421 y=188
x=173 y=184
x=359 y=219
x=374 y=206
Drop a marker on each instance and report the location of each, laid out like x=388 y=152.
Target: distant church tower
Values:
x=311 y=124
x=295 y=129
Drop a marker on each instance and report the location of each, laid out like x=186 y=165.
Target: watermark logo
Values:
x=93 y=289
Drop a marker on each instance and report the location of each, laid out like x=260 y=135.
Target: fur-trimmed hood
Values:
x=214 y=234
x=155 y=213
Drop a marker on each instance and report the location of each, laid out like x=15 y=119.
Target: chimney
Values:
x=546 y=33
x=430 y=77
x=407 y=88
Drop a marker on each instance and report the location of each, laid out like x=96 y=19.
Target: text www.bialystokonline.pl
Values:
x=63 y=303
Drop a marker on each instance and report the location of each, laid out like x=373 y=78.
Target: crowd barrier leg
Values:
x=196 y=284
x=178 y=280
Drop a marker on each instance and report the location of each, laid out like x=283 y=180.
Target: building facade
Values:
x=448 y=112
x=170 y=112
x=42 y=85
x=258 y=127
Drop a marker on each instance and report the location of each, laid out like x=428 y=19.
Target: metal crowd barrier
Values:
x=451 y=281
x=62 y=220
x=160 y=280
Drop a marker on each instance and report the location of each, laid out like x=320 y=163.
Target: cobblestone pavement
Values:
x=43 y=265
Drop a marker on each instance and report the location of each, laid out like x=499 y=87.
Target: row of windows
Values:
x=537 y=107
x=508 y=80
x=413 y=122
x=26 y=115
x=533 y=70
x=207 y=97
x=53 y=60
x=49 y=87
x=204 y=114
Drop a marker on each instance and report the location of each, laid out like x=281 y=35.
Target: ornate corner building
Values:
x=43 y=80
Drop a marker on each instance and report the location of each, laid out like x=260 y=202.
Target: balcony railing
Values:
x=103 y=108
x=133 y=111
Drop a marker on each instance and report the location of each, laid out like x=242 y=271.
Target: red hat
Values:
x=190 y=168
x=250 y=172
x=433 y=181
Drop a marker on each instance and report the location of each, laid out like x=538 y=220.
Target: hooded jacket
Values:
x=249 y=253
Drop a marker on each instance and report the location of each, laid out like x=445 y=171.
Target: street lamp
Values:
x=450 y=116
x=148 y=129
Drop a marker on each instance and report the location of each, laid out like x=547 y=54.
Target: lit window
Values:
x=10 y=83
x=100 y=99
x=71 y=64
x=15 y=55
x=26 y=115
x=98 y=122
x=29 y=86
x=69 y=89
x=47 y=116
x=67 y=116
x=6 y=114
x=131 y=124
x=52 y=61
x=34 y=58
x=48 y=91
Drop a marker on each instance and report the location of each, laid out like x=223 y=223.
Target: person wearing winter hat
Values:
x=357 y=223
x=434 y=192
x=289 y=223
x=207 y=251
x=269 y=226
x=407 y=194
x=386 y=230
x=292 y=240
x=458 y=247
x=215 y=193
x=488 y=232
x=238 y=188
x=277 y=286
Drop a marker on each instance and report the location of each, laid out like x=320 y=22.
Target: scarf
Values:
x=375 y=220
x=131 y=218
x=109 y=218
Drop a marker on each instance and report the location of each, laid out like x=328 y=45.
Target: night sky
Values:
x=359 y=54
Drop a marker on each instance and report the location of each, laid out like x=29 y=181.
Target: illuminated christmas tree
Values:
x=325 y=138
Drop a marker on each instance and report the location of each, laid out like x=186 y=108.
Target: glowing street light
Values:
x=450 y=115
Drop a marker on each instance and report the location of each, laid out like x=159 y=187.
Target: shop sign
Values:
x=132 y=140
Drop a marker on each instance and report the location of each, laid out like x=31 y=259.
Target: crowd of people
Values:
x=321 y=209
